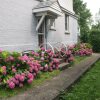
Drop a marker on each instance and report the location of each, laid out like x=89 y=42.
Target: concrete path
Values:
x=52 y=88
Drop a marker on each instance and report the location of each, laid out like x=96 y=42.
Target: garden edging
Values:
x=51 y=89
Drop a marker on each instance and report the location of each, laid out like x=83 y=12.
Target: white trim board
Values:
x=16 y=45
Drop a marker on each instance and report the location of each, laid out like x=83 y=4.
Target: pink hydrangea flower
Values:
x=4 y=67
x=48 y=51
x=32 y=52
x=11 y=58
x=30 y=80
x=11 y=85
x=24 y=58
x=30 y=75
x=13 y=70
x=68 y=52
x=17 y=82
x=23 y=74
x=43 y=49
x=17 y=76
x=21 y=78
x=71 y=59
x=13 y=79
x=36 y=54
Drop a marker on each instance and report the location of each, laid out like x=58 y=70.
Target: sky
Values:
x=93 y=5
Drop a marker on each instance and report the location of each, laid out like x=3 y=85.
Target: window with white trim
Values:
x=51 y=23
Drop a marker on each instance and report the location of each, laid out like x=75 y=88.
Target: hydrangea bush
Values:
x=64 y=54
x=48 y=63
x=15 y=70
x=83 y=49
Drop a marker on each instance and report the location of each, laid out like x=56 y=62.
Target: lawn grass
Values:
x=87 y=88
x=43 y=77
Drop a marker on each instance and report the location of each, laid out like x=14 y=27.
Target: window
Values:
x=66 y=22
x=51 y=24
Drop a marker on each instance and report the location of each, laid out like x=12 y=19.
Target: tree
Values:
x=96 y=26
x=84 y=19
x=95 y=39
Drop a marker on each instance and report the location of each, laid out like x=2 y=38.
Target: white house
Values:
x=26 y=24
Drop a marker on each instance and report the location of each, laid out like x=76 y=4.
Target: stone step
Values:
x=63 y=66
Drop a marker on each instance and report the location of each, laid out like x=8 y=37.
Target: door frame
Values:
x=43 y=33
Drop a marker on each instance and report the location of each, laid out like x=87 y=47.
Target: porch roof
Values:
x=49 y=6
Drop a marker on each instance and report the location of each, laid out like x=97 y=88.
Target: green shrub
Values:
x=95 y=40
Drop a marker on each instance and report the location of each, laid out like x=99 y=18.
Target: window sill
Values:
x=52 y=29
x=67 y=32
x=40 y=33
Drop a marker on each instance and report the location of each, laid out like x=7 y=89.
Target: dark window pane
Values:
x=66 y=22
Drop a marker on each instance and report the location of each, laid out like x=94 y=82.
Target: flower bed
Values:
x=83 y=49
x=17 y=69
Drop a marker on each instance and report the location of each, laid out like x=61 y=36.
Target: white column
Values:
x=40 y=22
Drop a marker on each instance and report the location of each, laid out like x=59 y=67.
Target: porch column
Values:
x=40 y=22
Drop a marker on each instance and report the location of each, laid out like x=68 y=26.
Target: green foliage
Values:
x=16 y=54
x=84 y=18
x=84 y=37
x=4 y=54
x=88 y=45
x=96 y=26
x=95 y=40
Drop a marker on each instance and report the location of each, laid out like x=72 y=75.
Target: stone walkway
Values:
x=52 y=88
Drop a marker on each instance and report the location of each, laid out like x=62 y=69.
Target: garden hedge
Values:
x=95 y=40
